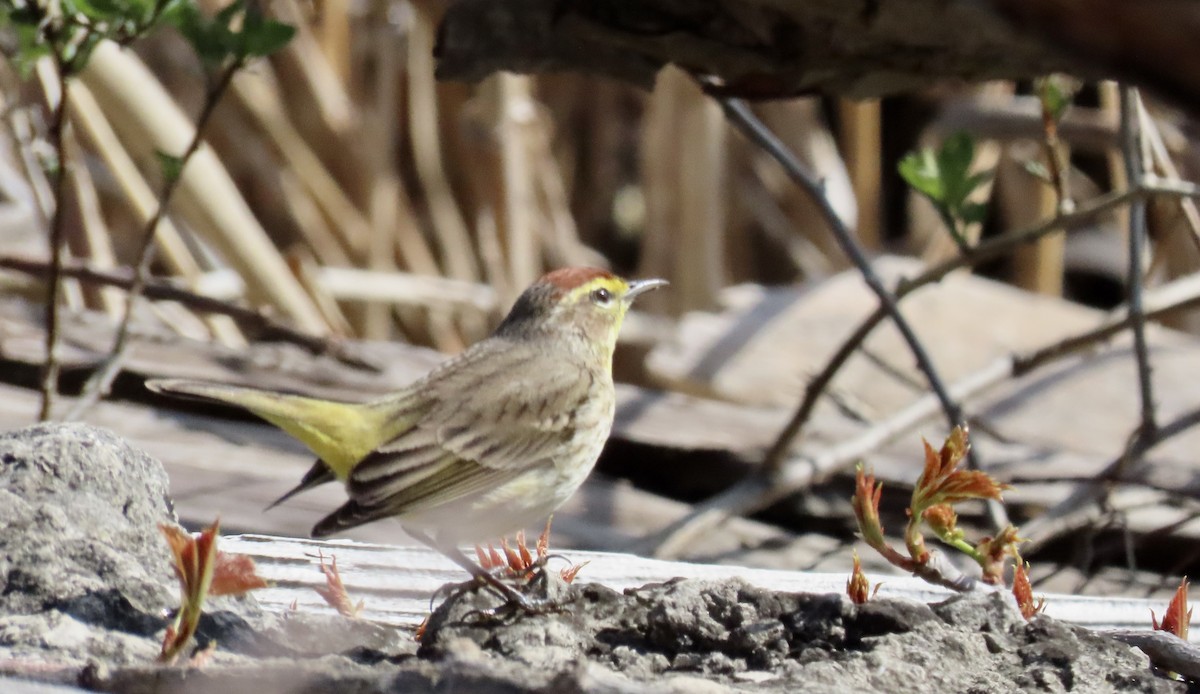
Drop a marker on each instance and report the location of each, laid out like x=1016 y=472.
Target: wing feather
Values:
x=480 y=428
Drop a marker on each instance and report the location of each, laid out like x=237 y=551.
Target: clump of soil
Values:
x=733 y=633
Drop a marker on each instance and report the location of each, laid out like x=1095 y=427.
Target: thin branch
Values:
x=1176 y=297
x=744 y=119
x=100 y=382
x=1046 y=526
x=58 y=123
x=256 y=322
x=1135 y=171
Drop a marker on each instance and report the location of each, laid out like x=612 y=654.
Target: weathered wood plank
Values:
x=396 y=583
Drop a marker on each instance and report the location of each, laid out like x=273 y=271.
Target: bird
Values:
x=489 y=442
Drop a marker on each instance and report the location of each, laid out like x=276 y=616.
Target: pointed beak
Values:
x=638 y=287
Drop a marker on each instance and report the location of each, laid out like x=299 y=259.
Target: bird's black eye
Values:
x=601 y=296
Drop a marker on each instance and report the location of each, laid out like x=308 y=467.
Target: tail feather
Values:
x=340 y=433
x=349 y=515
x=317 y=475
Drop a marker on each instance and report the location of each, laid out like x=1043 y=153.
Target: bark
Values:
x=861 y=48
x=755 y=48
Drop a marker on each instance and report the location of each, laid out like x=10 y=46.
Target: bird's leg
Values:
x=511 y=595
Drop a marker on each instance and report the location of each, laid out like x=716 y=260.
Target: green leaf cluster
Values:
x=234 y=35
x=69 y=30
x=944 y=176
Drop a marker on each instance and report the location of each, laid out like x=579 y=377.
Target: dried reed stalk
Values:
x=148 y=120
x=684 y=152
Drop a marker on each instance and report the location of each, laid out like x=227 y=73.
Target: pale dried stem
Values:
x=514 y=111
x=260 y=324
x=453 y=238
x=148 y=120
x=861 y=143
x=100 y=382
x=93 y=241
x=379 y=109
x=141 y=201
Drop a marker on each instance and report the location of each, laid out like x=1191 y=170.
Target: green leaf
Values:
x=945 y=178
x=229 y=13
x=211 y=39
x=171 y=165
x=973 y=213
x=262 y=38
x=920 y=171
x=978 y=179
x=954 y=166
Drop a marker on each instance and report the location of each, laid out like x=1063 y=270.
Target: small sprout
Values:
x=857 y=586
x=512 y=558
x=202 y=571
x=942 y=520
x=1022 y=590
x=526 y=557
x=515 y=561
x=494 y=558
x=482 y=558
x=420 y=633
x=1055 y=92
x=334 y=592
x=991 y=552
x=1178 y=615
x=942 y=482
x=941 y=485
x=866 y=508
x=568 y=574
x=543 y=543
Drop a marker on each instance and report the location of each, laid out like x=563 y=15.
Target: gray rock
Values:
x=9 y=685
x=80 y=511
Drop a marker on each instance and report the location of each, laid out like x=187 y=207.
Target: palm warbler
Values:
x=489 y=442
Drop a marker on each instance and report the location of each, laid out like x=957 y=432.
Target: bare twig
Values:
x=1045 y=527
x=744 y=119
x=1166 y=300
x=253 y=321
x=100 y=382
x=1131 y=148
x=58 y=123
